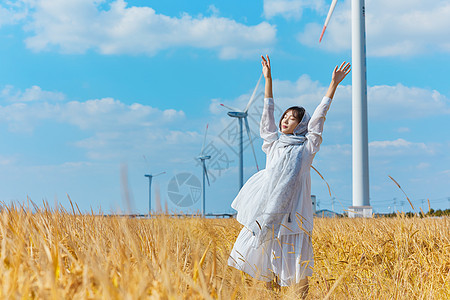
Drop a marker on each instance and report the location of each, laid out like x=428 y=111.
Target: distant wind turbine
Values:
x=361 y=203
x=150 y=177
x=202 y=157
x=236 y=113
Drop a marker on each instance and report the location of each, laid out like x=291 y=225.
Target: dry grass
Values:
x=59 y=255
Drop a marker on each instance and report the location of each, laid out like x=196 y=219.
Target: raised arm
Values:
x=315 y=125
x=268 y=76
x=268 y=129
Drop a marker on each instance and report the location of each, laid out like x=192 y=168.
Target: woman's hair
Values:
x=297 y=112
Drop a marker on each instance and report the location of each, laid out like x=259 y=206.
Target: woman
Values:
x=275 y=205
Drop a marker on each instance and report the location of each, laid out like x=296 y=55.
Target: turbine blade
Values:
x=251 y=142
x=252 y=98
x=230 y=108
x=330 y=12
x=204 y=140
x=206 y=172
x=146 y=161
x=323 y=31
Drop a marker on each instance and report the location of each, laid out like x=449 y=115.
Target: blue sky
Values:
x=92 y=92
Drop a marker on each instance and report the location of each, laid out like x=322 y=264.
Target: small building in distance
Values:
x=360 y=211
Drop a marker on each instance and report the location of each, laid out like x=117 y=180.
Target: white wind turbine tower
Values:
x=361 y=204
x=150 y=177
x=236 y=113
x=202 y=157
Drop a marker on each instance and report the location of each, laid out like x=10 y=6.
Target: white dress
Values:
x=289 y=255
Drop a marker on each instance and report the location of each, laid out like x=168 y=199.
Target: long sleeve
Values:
x=315 y=125
x=268 y=129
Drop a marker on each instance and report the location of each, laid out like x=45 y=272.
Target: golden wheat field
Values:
x=55 y=254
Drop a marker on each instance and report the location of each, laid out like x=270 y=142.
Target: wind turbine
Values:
x=239 y=114
x=202 y=157
x=361 y=203
x=150 y=177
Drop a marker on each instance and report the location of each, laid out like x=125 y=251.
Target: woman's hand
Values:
x=266 y=67
x=339 y=74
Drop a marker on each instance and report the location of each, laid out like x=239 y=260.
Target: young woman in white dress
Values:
x=275 y=205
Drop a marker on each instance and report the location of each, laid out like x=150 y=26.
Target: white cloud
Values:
x=7 y=160
x=400 y=147
x=393 y=28
x=11 y=12
x=290 y=9
x=106 y=130
x=396 y=144
x=403 y=129
x=423 y=165
x=213 y=10
x=173 y=115
x=401 y=102
x=35 y=93
x=97 y=114
x=337 y=149
x=214 y=106
x=75 y=164
x=75 y=26
x=334 y=158
x=176 y=137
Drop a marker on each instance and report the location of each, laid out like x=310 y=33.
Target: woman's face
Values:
x=288 y=123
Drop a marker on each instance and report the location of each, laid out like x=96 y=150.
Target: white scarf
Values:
x=269 y=195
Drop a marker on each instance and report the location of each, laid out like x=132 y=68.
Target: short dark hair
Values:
x=297 y=112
